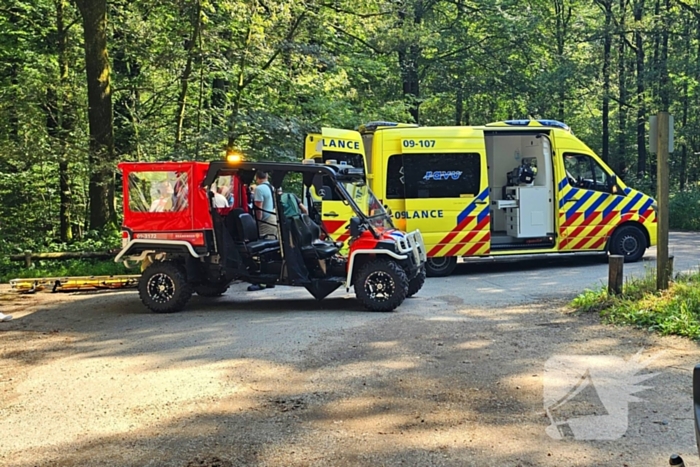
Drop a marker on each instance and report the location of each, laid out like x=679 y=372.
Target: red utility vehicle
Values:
x=185 y=244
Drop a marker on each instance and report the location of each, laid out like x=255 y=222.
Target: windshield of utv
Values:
x=368 y=204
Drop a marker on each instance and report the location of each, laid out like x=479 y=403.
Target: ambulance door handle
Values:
x=573 y=200
x=481 y=202
x=330 y=214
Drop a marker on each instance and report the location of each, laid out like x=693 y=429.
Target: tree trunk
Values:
x=408 y=62
x=13 y=61
x=607 y=45
x=65 y=123
x=101 y=156
x=126 y=106
x=654 y=64
x=562 y=17
x=459 y=106
x=190 y=47
x=641 y=111
x=409 y=59
x=60 y=122
x=664 y=93
x=684 y=119
x=622 y=84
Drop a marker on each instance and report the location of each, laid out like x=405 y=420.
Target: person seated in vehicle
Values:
x=264 y=206
x=164 y=202
x=291 y=205
x=219 y=200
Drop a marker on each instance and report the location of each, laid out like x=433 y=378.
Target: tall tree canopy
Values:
x=91 y=82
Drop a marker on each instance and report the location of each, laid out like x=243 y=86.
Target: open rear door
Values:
x=338 y=147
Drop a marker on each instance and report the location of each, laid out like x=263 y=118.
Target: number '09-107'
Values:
x=419 y=143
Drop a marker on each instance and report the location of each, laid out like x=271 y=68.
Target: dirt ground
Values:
x=281 y=380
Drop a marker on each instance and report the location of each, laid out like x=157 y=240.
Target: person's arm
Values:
x=302 y=208
x=258 y=199
x=258 y=210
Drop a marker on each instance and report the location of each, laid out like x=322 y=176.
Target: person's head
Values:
x=260 y=177
x=165 y=189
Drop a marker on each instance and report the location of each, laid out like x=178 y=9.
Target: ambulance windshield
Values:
x=368 y=204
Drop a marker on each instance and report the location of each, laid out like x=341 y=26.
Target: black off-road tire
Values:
x=163 y=287
x=440 y=267
x=381 y=285
x=415 y=284
x=628 y=241
x=210 y=290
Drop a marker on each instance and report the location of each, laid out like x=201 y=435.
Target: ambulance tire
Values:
x=163 y=287
x=440 y=267
x=628 y=241
x=381 y=285
x=210 y=290
x=415 y=284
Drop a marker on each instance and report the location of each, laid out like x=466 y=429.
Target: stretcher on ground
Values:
x=65 y=284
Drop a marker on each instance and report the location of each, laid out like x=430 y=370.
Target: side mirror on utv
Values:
x=355 y=227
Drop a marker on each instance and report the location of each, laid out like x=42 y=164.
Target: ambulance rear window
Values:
x=412 y=176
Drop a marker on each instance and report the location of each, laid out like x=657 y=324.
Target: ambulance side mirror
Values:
x=612 y=184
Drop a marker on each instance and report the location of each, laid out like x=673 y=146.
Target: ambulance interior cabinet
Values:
x=533 y=215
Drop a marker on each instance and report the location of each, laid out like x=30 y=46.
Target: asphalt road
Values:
x=453 y=377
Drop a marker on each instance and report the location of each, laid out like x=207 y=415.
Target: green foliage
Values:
x=192 y=78
x=674 y=311
x=684 y=209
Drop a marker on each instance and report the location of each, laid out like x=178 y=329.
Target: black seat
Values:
x=231 y=224
x=309 y=244
x=245 y=233
x=316 y=232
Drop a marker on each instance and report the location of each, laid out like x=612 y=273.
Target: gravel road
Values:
x=457 y=376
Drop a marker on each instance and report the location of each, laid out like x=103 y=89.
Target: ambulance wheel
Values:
x=210 y=290
x=628 y=241
x=381 y=285
x=415 y=284
x=163 y=287
x=440 y=267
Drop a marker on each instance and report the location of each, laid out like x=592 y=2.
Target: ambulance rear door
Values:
x=446 y=192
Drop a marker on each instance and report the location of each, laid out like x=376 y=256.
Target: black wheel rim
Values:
x=161 y=288
x=629 y=244
x=439 y=264
x=380 y=286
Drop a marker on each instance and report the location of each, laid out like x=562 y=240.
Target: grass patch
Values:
x=673 y=311
x=72 y=267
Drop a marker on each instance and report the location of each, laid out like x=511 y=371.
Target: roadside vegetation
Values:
x=674 y=311
x=95 y=241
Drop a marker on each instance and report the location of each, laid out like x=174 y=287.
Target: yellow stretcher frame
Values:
x=65 y=284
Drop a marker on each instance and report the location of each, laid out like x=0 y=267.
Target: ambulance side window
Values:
x=395 y=188
x=585 y=172
x=413 y=176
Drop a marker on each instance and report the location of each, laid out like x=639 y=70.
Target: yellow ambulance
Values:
x=518 y=187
